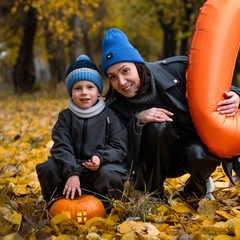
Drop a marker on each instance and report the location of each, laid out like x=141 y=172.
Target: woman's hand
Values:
x=154 y=115
x=93 y=163
x=72 y=185
x=230 y=105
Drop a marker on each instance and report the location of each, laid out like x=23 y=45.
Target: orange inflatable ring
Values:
x=213 y=51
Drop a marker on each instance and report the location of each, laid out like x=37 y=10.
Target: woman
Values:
x=149 y=98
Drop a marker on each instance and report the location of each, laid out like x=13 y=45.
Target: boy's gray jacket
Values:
x=77 y=139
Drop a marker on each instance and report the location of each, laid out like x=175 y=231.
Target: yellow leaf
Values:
x=66 y=226
x=92 y=220
x=20 y=190
x=3 y=150
x=107 y=236
x=148 y=228
x=119 y=207
x=27 y=137
x=15 y=218
x=130 y=236
x=222 y=237
x=58 y=218
x=7 y=151
x=224 y=214
x=231 y=223
x=127 y=227
x=13 y=236
x=102 y=225
x=237 y=229
x=207 y=208
x=92 y=236
x=198 y=237
x=5 y=212
x=66 y=237
x=113 y=218
x=180 y=207
x=156 y=218
x=235 y=212
x=163 y=210
x=124 y=228
x=208 y=221
x=212 y=230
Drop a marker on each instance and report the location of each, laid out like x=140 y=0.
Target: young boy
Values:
x=90 y=143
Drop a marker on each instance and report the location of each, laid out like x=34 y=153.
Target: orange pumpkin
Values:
x=80 y=210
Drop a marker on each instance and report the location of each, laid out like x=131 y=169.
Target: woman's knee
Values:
x=198 y=155
x=196 y=151
x=162 y=130
x=159 y=127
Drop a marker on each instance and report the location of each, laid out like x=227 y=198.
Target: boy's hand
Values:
x=93 y=163
x=72 y=185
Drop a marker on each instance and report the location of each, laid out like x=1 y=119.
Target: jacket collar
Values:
x=165 y=79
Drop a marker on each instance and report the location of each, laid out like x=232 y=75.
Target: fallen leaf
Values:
x=237 y=229
x=148 y=228
x=224 y=214
x=180 y=207
x=208 y=208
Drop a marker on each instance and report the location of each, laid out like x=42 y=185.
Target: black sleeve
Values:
x=116 y=148
x=62 y=150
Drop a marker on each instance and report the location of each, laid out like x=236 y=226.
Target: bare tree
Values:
x=24 y=72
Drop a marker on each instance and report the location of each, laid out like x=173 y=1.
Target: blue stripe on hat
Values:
x=83 y=69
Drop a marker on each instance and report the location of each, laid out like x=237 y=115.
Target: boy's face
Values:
x=84 y=94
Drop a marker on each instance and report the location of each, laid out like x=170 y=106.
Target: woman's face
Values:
x=124 y=78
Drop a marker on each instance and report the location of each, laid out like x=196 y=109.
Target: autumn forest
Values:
x=39 y=39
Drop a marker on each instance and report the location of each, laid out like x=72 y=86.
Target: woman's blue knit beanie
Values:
x=116 y=48
x=83 y=69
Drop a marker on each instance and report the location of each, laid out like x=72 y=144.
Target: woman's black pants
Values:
x=165 y=155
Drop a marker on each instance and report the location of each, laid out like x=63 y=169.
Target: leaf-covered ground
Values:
x=25 y=140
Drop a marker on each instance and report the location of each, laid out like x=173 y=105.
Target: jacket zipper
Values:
x=84 y=133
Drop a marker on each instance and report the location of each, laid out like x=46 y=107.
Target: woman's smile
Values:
x=127 y=87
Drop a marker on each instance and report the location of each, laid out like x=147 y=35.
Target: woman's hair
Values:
x=145 y=78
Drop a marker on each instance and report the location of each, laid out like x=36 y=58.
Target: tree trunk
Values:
x=188 y=21
x=56 y=57
x=86 y=41
x=186 y=26
x=24 y=72
x=75 y=47
x=169 y=40
x=169 y=33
